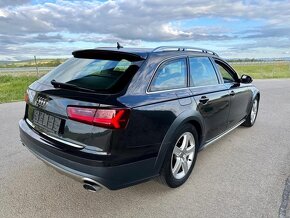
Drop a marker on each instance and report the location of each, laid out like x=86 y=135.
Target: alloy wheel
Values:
x=254 y=111
x=182 y=156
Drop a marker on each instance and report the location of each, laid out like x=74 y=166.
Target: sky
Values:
x=55 y=28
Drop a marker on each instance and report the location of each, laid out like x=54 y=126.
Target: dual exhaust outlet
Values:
x=91 y=185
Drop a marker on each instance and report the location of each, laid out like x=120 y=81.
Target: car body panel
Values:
x=215 y=111
x=240 y=103
x=117 y=158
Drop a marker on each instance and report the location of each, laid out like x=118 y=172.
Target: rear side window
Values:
x=97 y=74
x=171 y=75
x=202 y=72
x=225 y=72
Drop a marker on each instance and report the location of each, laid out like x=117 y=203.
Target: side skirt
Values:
x=221 y=135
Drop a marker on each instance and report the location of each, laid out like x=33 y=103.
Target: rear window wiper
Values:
x=69 y=86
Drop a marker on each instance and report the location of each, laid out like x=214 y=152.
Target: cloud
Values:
x=281 y=43
x=48 y=38
x=20 y=40
x=6 y=3
x=12 y=52
x=268 y=31
x=144 y=20
x=136 y=22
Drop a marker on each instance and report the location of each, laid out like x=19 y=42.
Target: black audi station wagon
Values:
x=115 y=117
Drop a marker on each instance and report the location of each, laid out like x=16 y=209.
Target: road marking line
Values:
x=285 y=200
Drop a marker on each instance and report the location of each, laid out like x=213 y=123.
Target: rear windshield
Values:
x=96 y=74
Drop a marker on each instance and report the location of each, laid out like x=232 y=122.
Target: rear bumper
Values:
x=111 y=177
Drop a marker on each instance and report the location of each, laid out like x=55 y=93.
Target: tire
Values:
x=180 y=157
x=252 y=116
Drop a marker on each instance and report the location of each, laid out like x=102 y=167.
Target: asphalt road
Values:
x=242 y=175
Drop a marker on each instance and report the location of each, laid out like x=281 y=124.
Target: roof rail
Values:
x=179 y=48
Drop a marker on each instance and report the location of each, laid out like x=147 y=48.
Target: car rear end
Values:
x=73 y=119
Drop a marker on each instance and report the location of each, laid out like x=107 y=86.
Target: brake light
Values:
x=109 y=118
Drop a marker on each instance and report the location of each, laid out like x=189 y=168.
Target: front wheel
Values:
x=181 y=157
x=252 y=116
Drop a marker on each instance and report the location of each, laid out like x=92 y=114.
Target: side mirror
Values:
x=246 y=79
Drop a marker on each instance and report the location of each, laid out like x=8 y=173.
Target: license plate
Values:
x=46 y=122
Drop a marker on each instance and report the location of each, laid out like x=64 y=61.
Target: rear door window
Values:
x=202 y=72
x=96 y=74
x=226 y=73
x=170 y=75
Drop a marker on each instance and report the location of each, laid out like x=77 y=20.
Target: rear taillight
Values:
x=26 y=97
x=109 y=118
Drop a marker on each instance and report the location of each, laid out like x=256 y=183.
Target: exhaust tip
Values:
x=89 y=188
x=91 y=185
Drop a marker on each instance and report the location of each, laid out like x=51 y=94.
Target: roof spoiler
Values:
x=107 y=55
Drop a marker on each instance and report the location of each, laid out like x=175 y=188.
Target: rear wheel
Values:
x=251 y=118
x=181 y=157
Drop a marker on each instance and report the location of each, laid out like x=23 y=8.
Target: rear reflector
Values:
x=108 y=118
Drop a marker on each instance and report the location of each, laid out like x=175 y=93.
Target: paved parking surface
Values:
x=242 y=175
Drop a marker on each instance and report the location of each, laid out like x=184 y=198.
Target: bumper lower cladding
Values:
x=91 y=173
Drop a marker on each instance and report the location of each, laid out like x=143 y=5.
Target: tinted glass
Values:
x=171 y=75
x=227 y=77
x=202 y=72
x=96 y=74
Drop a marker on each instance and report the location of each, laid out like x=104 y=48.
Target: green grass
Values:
x=12 y=88
x=264 y=70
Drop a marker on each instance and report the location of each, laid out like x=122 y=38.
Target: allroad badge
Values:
x=41 y=101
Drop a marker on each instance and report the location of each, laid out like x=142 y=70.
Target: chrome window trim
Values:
x=197 y=87
x=228 y=66
x=188 y=84
x=168 y=90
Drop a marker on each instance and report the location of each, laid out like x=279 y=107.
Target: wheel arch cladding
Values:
x=198 y=128
x=178 y=122
x=258 y=96
x=256 y=93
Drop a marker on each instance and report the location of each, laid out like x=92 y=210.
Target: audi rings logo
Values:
x=41 y=101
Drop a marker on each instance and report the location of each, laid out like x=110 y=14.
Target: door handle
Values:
x=203 y=99
x=232 y=93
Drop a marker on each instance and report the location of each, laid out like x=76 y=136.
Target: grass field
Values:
x=31 y=63
x=12 y=87
x=264 y=70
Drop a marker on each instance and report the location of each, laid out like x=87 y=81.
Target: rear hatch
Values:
x=75 y=105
